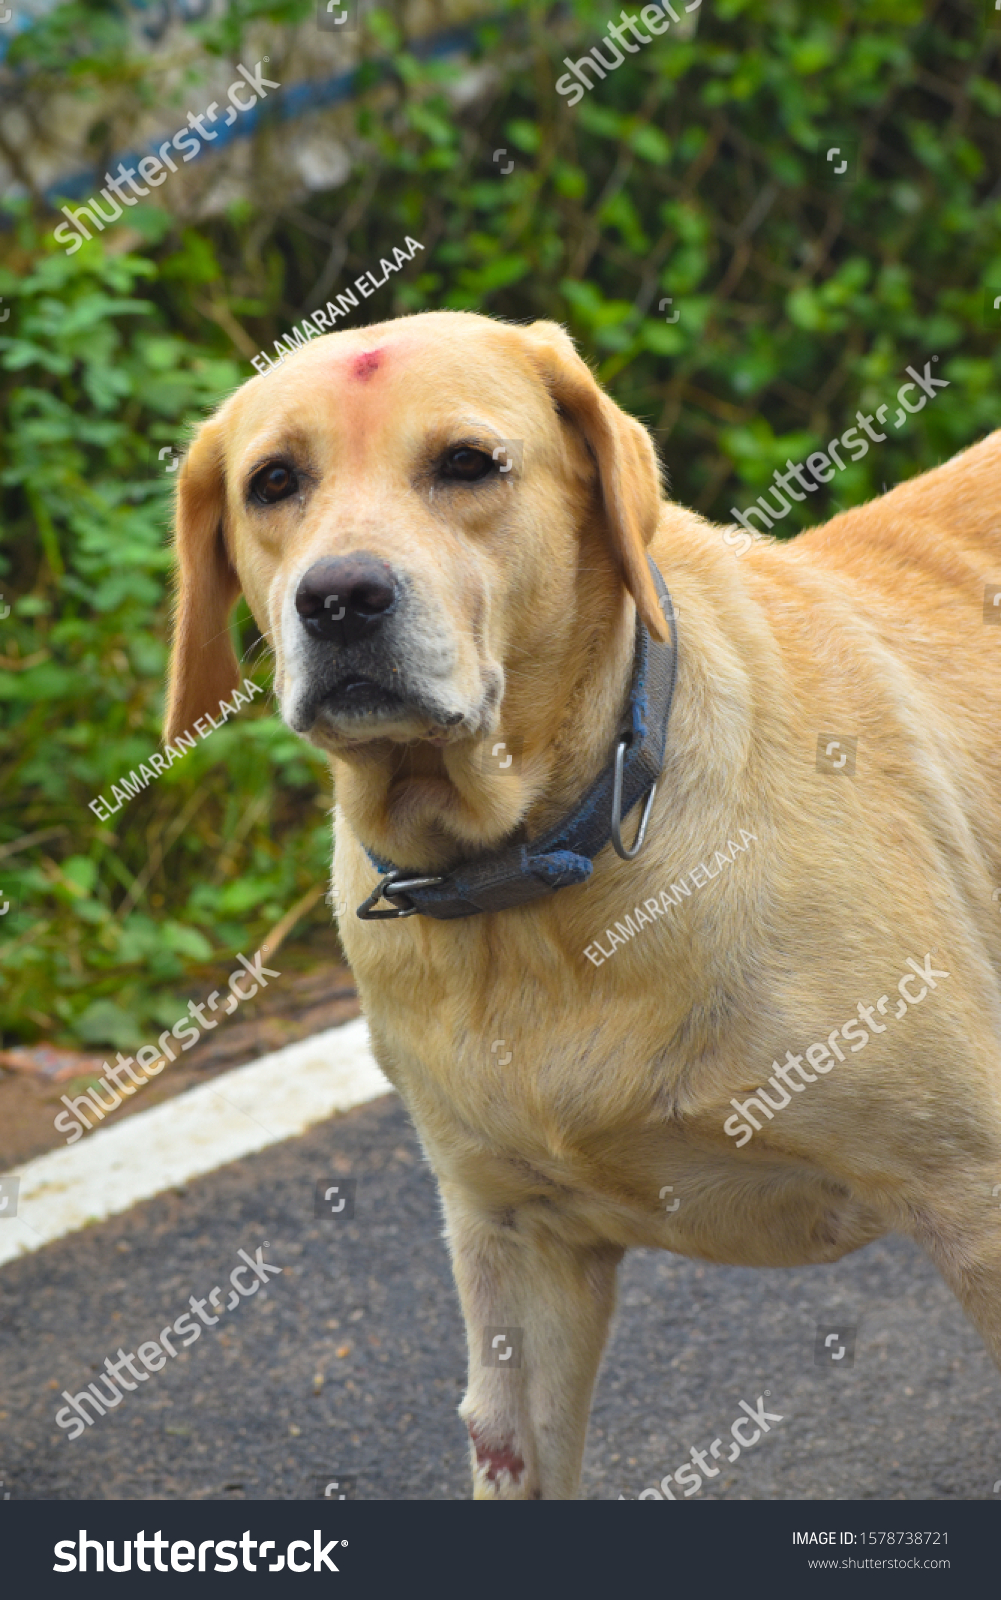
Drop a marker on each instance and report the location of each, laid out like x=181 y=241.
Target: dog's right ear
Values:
x=203 y=666
x=625 y=457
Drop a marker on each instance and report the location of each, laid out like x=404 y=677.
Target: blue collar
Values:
x=516 y=874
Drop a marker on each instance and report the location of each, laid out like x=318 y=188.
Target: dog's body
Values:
x=559 y=1100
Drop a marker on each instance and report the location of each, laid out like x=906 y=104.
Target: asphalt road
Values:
x=350 y=1363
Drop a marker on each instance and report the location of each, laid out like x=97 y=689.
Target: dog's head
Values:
x=419 y=514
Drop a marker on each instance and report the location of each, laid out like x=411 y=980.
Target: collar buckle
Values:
x=616 y=820
x=392 y=885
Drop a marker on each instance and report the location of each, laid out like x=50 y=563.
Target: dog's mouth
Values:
x=358 y=696
x=357 y=708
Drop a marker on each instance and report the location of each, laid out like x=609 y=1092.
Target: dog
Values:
x=459 y=548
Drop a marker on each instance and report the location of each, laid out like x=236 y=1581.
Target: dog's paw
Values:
x=503 y=1485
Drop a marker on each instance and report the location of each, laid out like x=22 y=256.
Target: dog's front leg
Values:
x=537 y=1310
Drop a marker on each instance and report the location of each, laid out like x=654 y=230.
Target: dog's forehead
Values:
x=356 y=385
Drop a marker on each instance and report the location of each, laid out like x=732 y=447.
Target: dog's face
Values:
x=403 y=507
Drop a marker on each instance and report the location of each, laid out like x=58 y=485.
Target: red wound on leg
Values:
x=500 y=1457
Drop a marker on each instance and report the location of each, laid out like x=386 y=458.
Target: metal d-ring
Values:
x=393 y=884
x=637 y=844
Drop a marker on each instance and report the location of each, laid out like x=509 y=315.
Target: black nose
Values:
x=346 y=598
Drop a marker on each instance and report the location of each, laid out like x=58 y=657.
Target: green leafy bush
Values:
x=108 y=918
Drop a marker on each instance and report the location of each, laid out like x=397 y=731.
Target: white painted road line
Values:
x=112 y=1169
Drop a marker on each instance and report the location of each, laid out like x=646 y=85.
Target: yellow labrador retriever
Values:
x=772 y=1034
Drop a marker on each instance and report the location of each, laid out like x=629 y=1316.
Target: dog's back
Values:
x=915 y=577
x=955 y=507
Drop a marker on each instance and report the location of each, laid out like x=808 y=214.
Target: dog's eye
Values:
x=466 y=464
x=273 y=483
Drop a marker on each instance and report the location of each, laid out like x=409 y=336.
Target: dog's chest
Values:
x=493 y=1087
x=539 y=1108
x=517 y=1092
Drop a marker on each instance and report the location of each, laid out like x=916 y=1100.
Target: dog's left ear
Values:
x=627 y=462
x=203 y=666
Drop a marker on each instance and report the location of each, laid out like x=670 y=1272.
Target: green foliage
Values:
x=695 y=172
x=94 y=382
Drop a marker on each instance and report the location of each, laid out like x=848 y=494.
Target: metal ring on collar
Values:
x=383 y=891
x=637 y=844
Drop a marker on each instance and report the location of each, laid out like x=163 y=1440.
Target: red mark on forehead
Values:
x=365 y=365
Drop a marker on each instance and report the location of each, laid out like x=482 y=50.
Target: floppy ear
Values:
x=627 y=462
x=203 y=667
